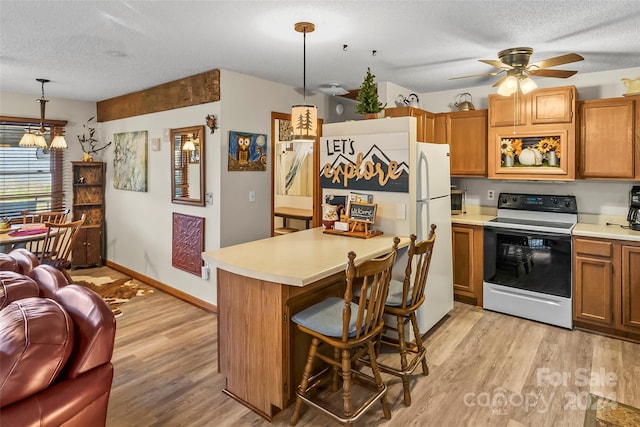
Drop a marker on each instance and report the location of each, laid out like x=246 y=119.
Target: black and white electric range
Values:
x=527 y=257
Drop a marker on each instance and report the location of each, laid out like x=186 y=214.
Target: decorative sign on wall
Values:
x=247 y=151
x=378 y=162
x=187 y=243
x=130 y=161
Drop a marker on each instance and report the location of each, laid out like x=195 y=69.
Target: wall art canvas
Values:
x=130 y=161
x=247 y=151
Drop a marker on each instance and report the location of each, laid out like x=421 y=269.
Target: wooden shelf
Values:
x=356 y=234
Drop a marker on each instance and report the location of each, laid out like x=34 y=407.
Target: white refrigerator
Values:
x=430 y=203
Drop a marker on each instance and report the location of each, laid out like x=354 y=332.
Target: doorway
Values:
x=295 y=184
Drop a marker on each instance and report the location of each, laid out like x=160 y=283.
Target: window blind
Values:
x=30 y=178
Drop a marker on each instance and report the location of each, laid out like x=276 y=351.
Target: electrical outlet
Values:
x=204 y=272
x=208 y=197
x=491 y=194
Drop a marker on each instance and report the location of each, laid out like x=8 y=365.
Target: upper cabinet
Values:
x=424 y=118
x=609 y=139
x=533 y=136
x=466 y=134
x=542 y=106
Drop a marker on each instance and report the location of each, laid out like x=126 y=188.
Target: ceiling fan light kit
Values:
x=515 y=63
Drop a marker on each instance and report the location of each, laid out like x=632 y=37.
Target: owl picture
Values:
x=244 y=141
x=247 y=151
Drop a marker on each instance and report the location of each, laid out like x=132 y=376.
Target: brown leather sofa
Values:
x=56 y=344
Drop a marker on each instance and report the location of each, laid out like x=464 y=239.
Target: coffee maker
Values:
x=634 y=209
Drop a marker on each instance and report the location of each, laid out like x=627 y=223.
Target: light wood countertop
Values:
x=300 y=258
x=603 y=231
x=471 y=219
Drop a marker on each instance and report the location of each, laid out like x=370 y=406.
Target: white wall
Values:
x=247 y=105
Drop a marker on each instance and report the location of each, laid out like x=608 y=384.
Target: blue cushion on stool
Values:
x=394 y=298
x=325 y=317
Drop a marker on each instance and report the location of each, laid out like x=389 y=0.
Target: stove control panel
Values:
x=538 y=202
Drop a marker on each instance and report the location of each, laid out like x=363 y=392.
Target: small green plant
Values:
x=367 y=98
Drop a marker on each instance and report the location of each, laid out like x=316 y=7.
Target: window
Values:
x=30 y=178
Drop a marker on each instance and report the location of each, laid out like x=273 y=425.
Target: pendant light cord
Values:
x=304 y=65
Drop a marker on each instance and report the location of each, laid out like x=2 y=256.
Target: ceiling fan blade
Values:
x=499 y=82
x=557 y=60
x=495 y=73
x=495 y=63
x=561 y=74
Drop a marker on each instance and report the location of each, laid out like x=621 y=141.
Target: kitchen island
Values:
x=261 y=284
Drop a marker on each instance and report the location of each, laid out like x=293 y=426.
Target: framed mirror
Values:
x=188 y=165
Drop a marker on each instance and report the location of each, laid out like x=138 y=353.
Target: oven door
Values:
x=528 y=274
x=536 y=262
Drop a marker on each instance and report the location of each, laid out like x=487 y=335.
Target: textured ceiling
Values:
x=94 y=50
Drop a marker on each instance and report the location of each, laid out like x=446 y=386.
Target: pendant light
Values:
x=36 y=138
x=304 y=117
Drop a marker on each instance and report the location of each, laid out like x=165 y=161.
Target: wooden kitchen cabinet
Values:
x=541 y=115
x=541 y=106
x=88 y=199
x=607 y=286
x=424 y=118
x=608 y=141
x=467 y=241
x=630 y=286
x=466 y=134
x=594 y=281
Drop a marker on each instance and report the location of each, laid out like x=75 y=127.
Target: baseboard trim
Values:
x=204 y=305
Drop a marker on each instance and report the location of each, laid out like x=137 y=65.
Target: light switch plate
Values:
x=401 y=211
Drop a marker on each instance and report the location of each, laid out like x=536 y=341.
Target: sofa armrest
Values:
x=80 y=401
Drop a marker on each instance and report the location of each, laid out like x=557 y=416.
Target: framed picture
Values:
x=247 y=151
x=130 y=161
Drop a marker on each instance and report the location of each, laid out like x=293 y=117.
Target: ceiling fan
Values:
x=514 y=62
x=333 y=89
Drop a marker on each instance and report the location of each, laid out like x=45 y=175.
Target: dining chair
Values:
x=57 y=217
x=55 y=249
x=350 y=329
x=404 y=299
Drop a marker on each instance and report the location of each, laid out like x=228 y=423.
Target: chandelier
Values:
x=304 y=117
x=36 y=138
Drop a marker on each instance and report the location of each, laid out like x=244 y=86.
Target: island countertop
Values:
x=300 y=258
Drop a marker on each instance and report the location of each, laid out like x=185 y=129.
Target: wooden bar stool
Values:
x=350 y=329
x=403 y=301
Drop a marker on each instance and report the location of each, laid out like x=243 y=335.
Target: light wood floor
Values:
x=486 y=369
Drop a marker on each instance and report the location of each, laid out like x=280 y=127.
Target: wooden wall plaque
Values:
x=187 y=243
x=194 y=90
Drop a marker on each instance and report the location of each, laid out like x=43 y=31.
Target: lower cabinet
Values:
x=87 y=248
x=467 y=248
x=607 y=286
